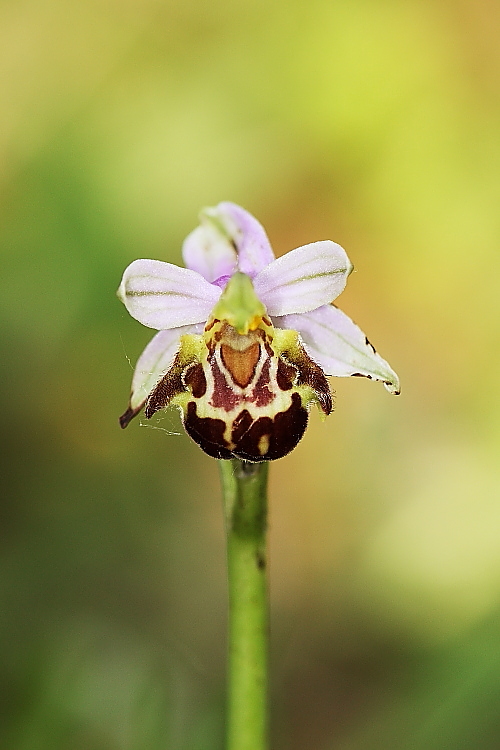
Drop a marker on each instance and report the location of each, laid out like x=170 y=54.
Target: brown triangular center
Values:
x=241 y=365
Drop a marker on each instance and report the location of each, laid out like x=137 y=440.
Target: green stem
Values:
x=245 y=502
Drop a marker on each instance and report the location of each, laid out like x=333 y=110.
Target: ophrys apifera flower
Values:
x=245 y=340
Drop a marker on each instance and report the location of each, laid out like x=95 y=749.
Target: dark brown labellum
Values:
x=243 y=395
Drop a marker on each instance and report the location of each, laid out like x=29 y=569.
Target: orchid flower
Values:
x=245 y=340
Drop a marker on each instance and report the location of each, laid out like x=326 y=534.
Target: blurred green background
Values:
x=375 y=124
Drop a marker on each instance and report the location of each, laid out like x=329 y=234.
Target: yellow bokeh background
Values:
x=374 y=124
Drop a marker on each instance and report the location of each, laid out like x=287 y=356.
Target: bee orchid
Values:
x=245 y=340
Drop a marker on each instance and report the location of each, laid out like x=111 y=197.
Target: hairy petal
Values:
x=160 y=295
x=155 y=360
x=303 y=279
x=339 y=346
x=152 y=365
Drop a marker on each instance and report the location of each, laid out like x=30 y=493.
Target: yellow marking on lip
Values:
x=263 y=445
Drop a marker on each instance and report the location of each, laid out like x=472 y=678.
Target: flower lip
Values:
x=231 y=274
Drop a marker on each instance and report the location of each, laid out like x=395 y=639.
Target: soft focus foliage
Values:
x=374 y=124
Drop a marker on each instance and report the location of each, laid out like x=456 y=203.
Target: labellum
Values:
x=244 y=388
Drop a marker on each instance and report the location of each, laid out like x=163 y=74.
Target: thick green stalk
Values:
x=245 y=501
